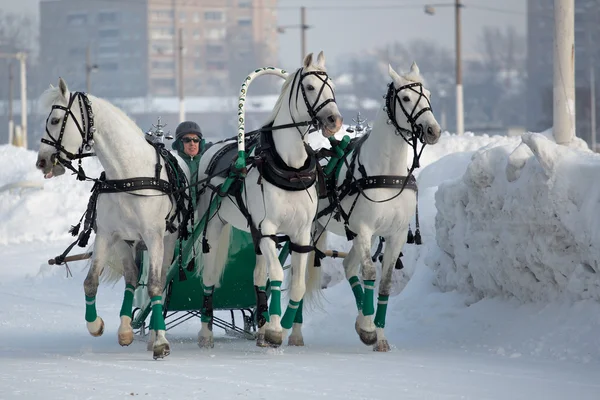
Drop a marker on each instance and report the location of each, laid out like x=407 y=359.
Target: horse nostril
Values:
x=429 y=131
x=331 y=119
x=41 y=163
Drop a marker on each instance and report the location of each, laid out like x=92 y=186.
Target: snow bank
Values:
x=522 y=221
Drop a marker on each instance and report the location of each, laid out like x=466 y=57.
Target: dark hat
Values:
x=187 y=127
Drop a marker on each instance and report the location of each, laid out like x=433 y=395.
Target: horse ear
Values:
x=321 y=60
x=308 y=60
x=414 y=68
x=64 y=90
x=393 y=74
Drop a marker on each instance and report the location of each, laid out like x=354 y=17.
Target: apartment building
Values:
x=134 y=45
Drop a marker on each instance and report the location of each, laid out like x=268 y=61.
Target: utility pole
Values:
x=459 y=87
x=180 y=78
x=303 y=28
x=10 y=104
x=89 y=68
x=430 y=10
x=564 y=71
x=22 y=58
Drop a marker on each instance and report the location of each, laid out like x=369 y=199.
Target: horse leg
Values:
x=298 y=284
x=364 y=322
x=296 y=338
x=94 y=323
x=154 y=242
x=130 y=272
x=273 y=329
x=390 y=256
x=210 y=277
x=262 y=305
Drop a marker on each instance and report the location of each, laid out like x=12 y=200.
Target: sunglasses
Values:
x=188 y=140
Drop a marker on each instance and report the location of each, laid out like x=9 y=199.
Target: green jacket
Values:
x=192 y=163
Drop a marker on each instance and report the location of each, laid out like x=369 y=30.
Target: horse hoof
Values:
x=295 y=341
x=368 y=338
x=274 y=338
x=206 y=342
x=260 y=340
x=161 y=351
x=126 y=338
x=96 y=332
x=382 y=346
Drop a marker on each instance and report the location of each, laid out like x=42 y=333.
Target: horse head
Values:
x=65 y=133
x=317 y=89
x=408 y=106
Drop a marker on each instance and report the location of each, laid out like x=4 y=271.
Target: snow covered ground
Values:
x=466 y=325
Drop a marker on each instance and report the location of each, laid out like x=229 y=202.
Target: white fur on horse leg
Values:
x=161 y=347
x=296 y=338
x=205 y=336
x=96 y=328
x=125 y=332
x=382 y=343
x=151 y=339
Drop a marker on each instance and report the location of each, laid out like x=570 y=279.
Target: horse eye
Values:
x=406 y=98
x=54 y=121
x=310 y=87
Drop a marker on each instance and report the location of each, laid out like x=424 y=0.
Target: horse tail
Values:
x=221 y=256
x=314 y=292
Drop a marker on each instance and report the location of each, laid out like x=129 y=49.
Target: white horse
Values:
x=280 y=196
x=77 y=123
x=377 y=197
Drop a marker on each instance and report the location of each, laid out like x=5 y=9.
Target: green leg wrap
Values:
x=298 y=318
x=205 y=313
x=368 y=306
x=290 y=314
x=127 y=301
x=90 y=309
x=382 y=303
x=357 y=290
x=275 y=304
x=157 y=319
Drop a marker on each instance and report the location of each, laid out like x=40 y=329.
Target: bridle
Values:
x=392 y=99
x=86 y=132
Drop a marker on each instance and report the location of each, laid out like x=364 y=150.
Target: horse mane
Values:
x=284 y=87
x=52 y=95
x=280 y=99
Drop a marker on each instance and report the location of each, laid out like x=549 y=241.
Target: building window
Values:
x=108 y=34
x=198 y=65
x=106 y=52
x=212 y=65
x=196 y=17
x=161 y=48
x=77 y=19
x=163 y=84
x=215 y=33
x=244 y=22
x=214 y=50
x=182 y=16
x=196 y=34
x=214 y=16
x=163 y=65
x=245 y=3
x=161 y=15
x=107 y=17
x=162 y=33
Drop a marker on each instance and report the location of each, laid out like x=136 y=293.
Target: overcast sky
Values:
x=340 y=27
